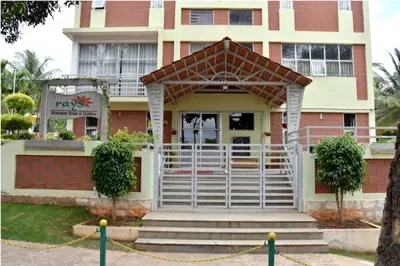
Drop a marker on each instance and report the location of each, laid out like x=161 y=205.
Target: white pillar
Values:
x=43 y=112
x=294 y=102
x=156 y=105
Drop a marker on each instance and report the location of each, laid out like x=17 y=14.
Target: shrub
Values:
x=341 y=166
x=9 y=137
x=20 y=102
x=67 y=135
x=113 y=170
x=135 y=137
x=25 y=135
x=14 y=122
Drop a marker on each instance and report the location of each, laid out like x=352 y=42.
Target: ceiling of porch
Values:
x=226 y=66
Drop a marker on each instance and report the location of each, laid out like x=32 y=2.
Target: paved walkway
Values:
x=71 y=256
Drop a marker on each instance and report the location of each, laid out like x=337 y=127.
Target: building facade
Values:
x=327 y=41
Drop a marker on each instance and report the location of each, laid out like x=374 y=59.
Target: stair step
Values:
x=228 y=233
x=228 y=246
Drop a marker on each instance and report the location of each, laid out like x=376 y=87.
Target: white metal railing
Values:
x=229 y=176
x=286 y=4
x=128 y=85
x=312 y=135
x=157 y=3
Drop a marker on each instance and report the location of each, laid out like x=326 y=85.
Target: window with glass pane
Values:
x=286 y=4
x=240 y=17
x=319 y=59
x=201 y=17
x=241 y=121
x=91 y=126
x=344 y=4
x=98 y=4
x=350 y=123
x=197 y=46
x=127 y=62
x=247 y=44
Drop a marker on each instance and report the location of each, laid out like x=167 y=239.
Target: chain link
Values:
x=293 y=259
x=47 y=246
x=186 y=260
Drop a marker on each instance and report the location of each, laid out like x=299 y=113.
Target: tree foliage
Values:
x=113 y=170
x=21 y=103
x=341 y=166
x=15 y=14
x=387 y=92
x=67 y=135
x=15 y=122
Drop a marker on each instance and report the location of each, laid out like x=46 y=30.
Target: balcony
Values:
x=127 y=86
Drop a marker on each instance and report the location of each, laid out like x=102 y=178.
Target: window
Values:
x=344 y=4
x=127 y=62
x=197 y=46
x=286 y=4
x=91 y=126
x=241 y=140
x=200 y=128
x=157 y=3
x=319 y=59
x=247 y=44
x=241 y=121
x=241 y=17
x=201 y=17
x=350 y=122
x=98 y=4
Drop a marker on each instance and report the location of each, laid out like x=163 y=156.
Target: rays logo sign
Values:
x=73 y=106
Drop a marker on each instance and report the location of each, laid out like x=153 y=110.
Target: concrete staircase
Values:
x=228 y=232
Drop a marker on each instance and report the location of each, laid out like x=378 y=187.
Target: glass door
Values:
x=200 y=128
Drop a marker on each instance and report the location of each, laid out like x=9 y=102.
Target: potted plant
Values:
x=174 y=131
x=267 y=133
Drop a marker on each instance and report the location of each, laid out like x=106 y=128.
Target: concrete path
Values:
x=71 y=256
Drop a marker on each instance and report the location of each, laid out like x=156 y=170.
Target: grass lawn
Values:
x=363 y=256
x=43 y=224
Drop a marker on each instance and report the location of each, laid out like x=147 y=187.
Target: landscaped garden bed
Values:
x=350 y=235
x=123 y=229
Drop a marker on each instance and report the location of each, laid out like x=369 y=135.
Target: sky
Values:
x=48 y=40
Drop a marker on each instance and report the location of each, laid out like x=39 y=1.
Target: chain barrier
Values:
x=47 y=246
x=147 y=254
x=292 y=259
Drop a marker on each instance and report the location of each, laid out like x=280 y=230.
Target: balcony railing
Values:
x=286 y=4
x=312 y=135
x=127 y=86
x=344 y=4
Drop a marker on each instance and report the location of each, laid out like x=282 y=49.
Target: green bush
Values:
x=25 y=135
x=113 y=170
x=135 y=137
x=15 y=122
x=341 y=166
x=67 y=135
x=21 y=103
x=9 y=137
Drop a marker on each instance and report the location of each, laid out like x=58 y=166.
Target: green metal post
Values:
x=271 y=249
x=103 y=240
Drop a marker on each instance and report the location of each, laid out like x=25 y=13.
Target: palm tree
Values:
x=32 y=71
x=387 y=92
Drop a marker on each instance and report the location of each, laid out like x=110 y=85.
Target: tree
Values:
x=14 y=14
x=113 y=170
x=387 y=92
x=388 y=251
x=341 y=166
x=34 y=71
x=19 y=102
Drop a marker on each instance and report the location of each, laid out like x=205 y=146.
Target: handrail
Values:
x=306 y=133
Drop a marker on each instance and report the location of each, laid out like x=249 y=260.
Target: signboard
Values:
x=73 y=106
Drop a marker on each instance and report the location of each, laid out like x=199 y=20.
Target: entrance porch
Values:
x=220 y=98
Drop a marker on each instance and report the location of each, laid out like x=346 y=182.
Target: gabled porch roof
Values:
x=226 y=65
